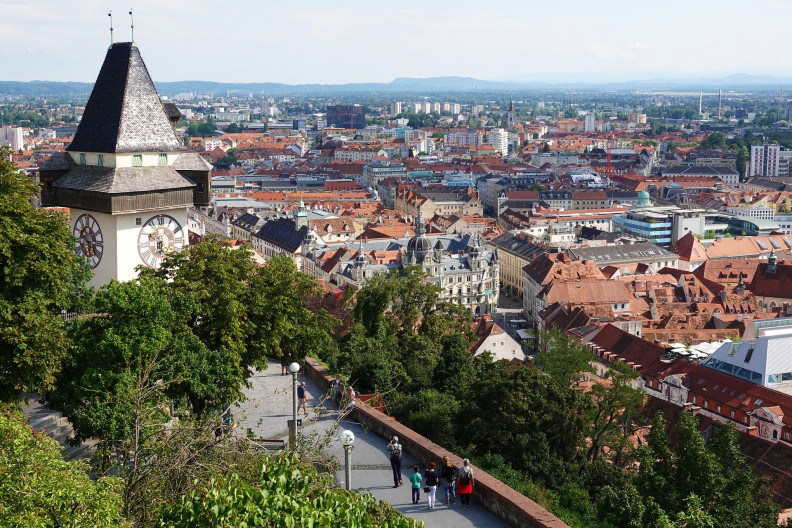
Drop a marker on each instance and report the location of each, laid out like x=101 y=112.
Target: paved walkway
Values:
x=269 y=405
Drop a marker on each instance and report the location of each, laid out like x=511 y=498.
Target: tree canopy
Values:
x=40 y=275
x=38 y=489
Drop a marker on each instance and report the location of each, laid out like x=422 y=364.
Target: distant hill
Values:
x=737 y=81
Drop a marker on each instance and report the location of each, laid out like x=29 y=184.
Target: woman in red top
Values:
x=465 y=483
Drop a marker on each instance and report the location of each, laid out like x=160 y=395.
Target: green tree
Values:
x=700 y=481
x=40 y=275
x=430 y=413
x=40 y=489
x=564 y=358
x=252 y=312
x=292 y=493
x=715 y=140
x=130 y=360
x=615 y=408
x=455 y=369
x=533 y=420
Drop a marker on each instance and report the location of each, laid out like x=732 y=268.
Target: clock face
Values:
x=159 y=236
x=90 y=242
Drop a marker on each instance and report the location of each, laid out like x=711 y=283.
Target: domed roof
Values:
x=419 y=244
x=644 y=199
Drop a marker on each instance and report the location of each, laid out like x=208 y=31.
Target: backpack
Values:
x=396 y=452
x=464 y=476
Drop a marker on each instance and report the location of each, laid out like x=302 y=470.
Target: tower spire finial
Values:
x=110 y=14
x=131 y=18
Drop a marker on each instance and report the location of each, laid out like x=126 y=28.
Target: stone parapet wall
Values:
x=508 y=504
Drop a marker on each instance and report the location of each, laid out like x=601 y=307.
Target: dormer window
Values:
x=163 y=158
x=82 y=158
x=137 y=160
x=100 y=160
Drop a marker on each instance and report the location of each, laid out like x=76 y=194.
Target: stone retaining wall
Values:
x=508 y=504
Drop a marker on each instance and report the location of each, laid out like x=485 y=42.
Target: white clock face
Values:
x=159 y=236
x=89 y=241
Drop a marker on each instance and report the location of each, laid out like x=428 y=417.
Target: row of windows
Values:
x=779 y=378
x=787 y=435
x=137 y=159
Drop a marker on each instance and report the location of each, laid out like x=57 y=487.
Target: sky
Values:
x=343 y=41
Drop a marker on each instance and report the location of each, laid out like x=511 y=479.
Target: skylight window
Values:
x=762 y=245
x=787 y=242
x=775 y=244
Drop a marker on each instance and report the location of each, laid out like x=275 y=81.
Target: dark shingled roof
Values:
x=282 y=233
x=124 y=112
x=114 y=180
x=58 y=161
x=190 y=161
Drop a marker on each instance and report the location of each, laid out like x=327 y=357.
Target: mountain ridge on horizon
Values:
x=732 y=81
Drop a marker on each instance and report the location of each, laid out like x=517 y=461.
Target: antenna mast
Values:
x=133 y=24
x=110 y=14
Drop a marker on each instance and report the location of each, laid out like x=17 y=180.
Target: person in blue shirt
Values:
x=302 y=398
x=416 y=479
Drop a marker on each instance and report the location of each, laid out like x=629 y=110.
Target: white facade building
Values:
x=589 y=122
x=499 y=138
x=765 y=160
x=11 y=136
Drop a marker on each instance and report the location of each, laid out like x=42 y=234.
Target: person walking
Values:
x=448 y=475
x=416 y=479
x=351 y=399
x=302 y=398
x=285 y=360
x=466 y=481
x=336 y=386
x=395 y=450
x=432 y=479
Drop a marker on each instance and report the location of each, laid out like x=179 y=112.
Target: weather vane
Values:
x=133 y=24
x=110 y=14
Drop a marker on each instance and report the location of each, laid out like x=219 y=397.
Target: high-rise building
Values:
x=346 y=116
x=125 y=176
x=765 y=160
x=11 y=136
x=499 y=139
x=396 y=108
x=589 y=122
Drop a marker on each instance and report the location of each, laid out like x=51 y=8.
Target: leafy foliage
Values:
x=38 y=489
x=39 y=276
x=288 y=494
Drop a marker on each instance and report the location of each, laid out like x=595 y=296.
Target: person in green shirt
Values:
x=416 y=479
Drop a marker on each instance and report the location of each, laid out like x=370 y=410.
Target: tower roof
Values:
x=124 y=112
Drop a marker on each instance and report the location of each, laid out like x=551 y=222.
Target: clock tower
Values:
x=125 y=177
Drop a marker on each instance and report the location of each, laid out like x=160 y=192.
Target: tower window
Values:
x=163 y=158
x=100 y=160
x=82 y=158
x=137 y=160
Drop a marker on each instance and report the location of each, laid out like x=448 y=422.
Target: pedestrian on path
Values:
x=302 y=398
x=336 y=386
x=465 y=486
x=395 y=450
x=448 y=475
x=351 y=399
x=416 y=479
x=285 y=360
x=432 y=479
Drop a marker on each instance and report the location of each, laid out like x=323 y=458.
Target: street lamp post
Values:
x=294 y=368
x=347 y=439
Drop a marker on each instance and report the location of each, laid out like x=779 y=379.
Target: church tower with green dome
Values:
x=644 y=200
